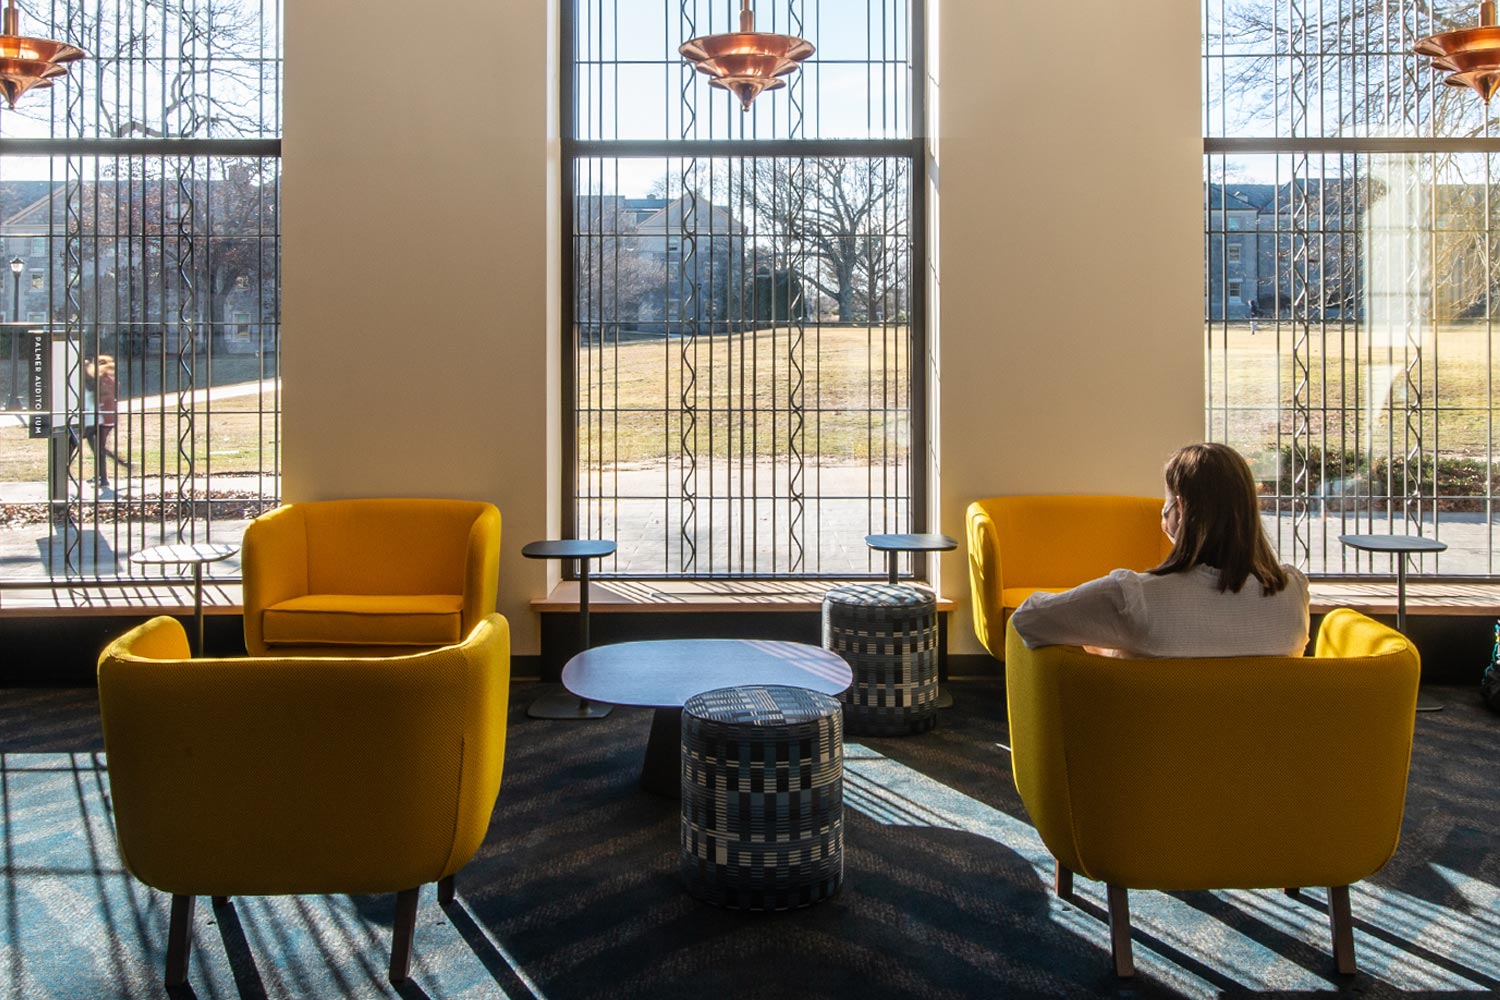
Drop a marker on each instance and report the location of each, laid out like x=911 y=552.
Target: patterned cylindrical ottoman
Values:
x=762 y=797
x=888 y=634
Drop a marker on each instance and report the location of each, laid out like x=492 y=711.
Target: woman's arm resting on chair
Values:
x=1097 y=613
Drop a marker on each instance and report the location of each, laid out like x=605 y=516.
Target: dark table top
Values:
x=1393 y=543
x=665 y=673
x=910 y=543
x=569 y=548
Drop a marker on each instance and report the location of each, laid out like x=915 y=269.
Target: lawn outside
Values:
x=242 y=422
x=805 y=482
x=744 y=399
x=1356 y=389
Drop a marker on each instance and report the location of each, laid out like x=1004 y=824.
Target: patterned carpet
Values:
x=575 y=893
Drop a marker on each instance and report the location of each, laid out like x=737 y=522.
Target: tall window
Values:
x=741 y=306
x=1356 y=367
x=139 y=197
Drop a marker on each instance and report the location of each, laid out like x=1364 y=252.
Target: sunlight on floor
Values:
x=73 y=922
x=59 y=850
x=1442 y=942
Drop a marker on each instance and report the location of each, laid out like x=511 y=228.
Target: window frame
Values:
x=75 y=140
x=913 y=148
x=1309 y=149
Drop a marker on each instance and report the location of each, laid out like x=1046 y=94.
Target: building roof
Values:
x=669 y=218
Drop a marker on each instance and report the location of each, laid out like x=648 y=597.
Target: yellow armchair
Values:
x=255 y=777
x=368 y=577
x=1233 y=773
x=1021 y=544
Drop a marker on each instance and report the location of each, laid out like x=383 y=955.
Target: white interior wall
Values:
x=415 y=262
x=419 y=235
x=1069 y=170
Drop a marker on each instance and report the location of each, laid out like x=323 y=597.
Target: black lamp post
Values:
x=17 y=265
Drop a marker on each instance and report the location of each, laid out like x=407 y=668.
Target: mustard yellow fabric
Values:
x=1255 y=772
x=265 y=776
x=1022 y=544
x=349 y=619
x=1011 y=597
x=326 y=554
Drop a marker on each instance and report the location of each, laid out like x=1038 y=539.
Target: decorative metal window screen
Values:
x=740 y=302
x=1356 y=369
x=144 y=188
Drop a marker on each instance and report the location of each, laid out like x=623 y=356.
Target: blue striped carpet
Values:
x=575 y=893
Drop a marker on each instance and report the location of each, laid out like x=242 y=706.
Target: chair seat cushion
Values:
x=1011 y=597
x=366 y=619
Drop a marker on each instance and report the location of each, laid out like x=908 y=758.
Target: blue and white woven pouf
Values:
x=762 y=797
x=888 y=634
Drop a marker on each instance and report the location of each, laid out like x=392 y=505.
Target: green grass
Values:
x=742 y=385
x=852 y=396
x=1358 y=394
x=242 y=434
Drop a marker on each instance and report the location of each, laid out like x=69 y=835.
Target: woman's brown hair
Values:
x=1219 y=519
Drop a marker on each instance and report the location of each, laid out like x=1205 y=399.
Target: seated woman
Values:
x=1196 y=603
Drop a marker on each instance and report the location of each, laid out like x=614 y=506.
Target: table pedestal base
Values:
x=661 y=772
x=566 y=705
x=1426 y=703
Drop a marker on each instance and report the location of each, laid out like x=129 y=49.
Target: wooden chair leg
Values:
x=1342 y=923
x=1119 y=931
x=446 y=891
x=221 y=901
x=179 y=940
x=1062 y=881
x=401 y=934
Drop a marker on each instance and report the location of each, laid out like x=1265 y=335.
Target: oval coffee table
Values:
x=665 y=673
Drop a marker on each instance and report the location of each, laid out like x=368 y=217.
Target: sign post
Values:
x=38 y=359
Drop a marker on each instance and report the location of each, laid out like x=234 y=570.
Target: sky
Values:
x=637 y=92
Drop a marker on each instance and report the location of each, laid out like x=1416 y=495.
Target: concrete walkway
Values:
x=731 y=536
x=169 y=401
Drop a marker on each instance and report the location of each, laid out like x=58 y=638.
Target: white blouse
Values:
x=1178 y=615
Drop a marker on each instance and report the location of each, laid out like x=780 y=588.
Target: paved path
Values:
x=152 y=404
x=752 y=536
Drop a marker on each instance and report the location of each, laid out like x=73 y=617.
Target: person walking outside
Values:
x=100 y=401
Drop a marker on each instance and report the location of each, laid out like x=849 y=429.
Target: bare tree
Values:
x=1275 y=82
x=243 y=203
x=617 y=280
x=197 y=66
x=169 y=69
x=846 y=216
x=1266 y=44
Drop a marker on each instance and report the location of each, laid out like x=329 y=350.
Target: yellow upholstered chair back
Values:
x=267 y=776
x=262 y=776
x=1218 y=773
x=388 y=546
x=1020 y=544
x=371 y=547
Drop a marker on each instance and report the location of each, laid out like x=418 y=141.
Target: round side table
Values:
x=893 y=546
x=1400 y=546
x=561 y=704
x=195 y=554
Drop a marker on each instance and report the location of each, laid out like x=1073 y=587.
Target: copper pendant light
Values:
x=29 y=63
x=1470 y=55
x=747 y=61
